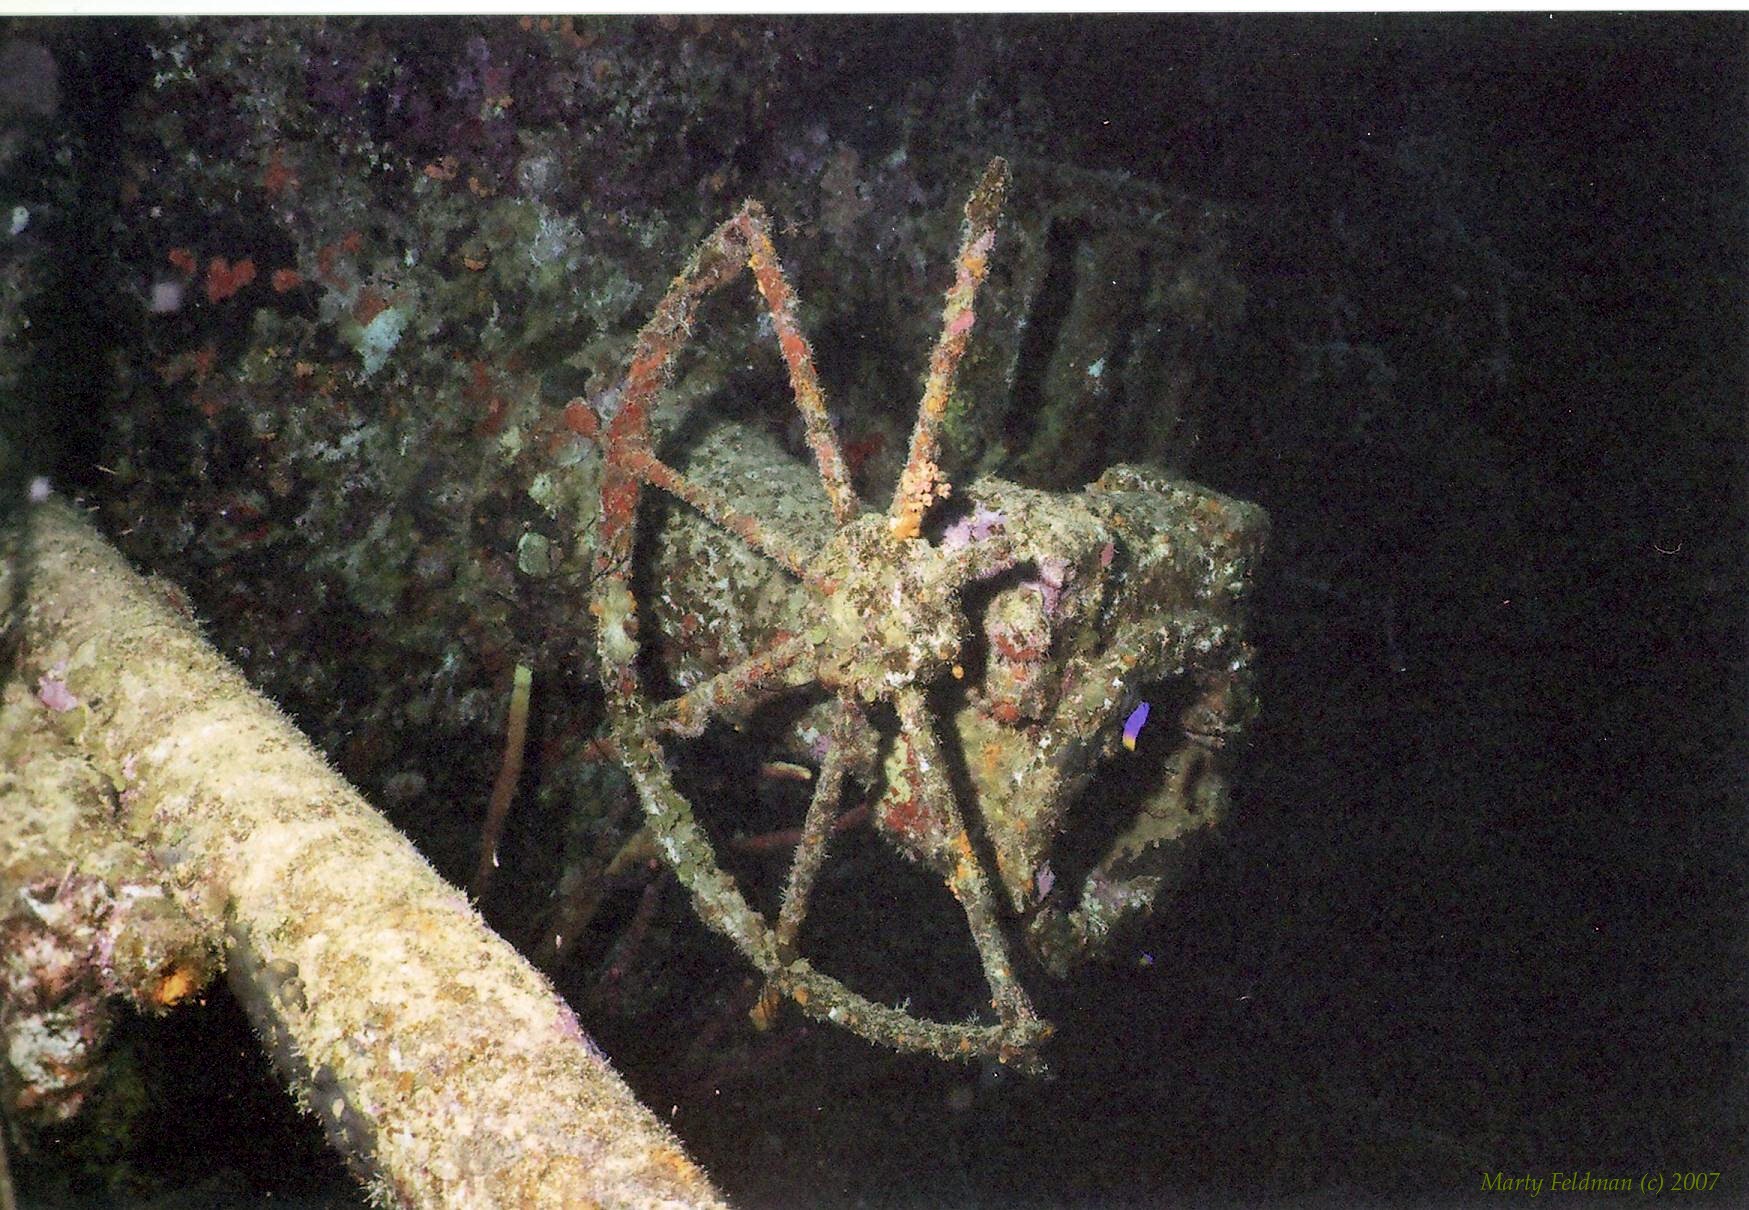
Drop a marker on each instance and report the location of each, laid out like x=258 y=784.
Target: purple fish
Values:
x=1133 y=725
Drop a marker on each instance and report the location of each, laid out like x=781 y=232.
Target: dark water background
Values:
x=1481 y=905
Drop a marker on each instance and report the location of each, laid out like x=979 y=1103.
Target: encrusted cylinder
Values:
x=440 y=1063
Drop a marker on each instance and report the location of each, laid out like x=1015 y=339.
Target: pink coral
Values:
x=1053 y=574
x=980 y=525
x=52 y=691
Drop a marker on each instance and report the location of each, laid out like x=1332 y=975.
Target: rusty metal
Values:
x=1065 y=609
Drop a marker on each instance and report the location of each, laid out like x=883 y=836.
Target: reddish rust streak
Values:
x=497 y=412
x=643 y=379
x=580 y=418
x=619 y=497
x=478 y=387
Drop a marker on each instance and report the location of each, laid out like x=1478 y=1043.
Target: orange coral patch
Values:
x=911 y=821
x=277 y=178
x=224 y=279
x=174 y=987
x=370 y=305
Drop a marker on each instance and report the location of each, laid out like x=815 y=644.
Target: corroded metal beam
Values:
x=440 y=1063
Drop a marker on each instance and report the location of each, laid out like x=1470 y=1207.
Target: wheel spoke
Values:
x=921 y=483
x=735 y=690
x=841 y=737
x=965 y=876
x=716 y=509
x=804 y=381
x=684 y=846
x=716 y=261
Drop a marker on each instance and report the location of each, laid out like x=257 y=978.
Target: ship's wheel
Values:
x=882 y=621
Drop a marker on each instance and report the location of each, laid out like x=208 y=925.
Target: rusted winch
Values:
x=1061 y=621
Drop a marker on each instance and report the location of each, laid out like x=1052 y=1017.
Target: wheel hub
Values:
x=884 y=623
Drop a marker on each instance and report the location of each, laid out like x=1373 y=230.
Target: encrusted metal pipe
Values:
x=441 y=1064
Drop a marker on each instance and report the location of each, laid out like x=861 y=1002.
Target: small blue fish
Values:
x=1133 y=725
